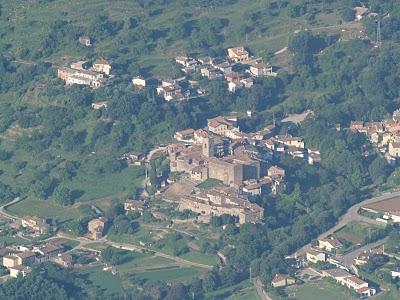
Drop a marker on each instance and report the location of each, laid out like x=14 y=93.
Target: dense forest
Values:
x=48 y=131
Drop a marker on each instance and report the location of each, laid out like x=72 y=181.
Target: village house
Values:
x=81 y=77
x=225 y=126
x=134 y=158
x=395 y=273
x=170 y=91
x=238 y=54
x=85 y=40
x=289 y=140
x=48 y=251
x=139 y=81
x=135 y=206
x=102 y=66
x=186 y=135
x=394 y=149
x=364 y=257
x=96 y=228
x=314 y=256
x=17 y=270
x=282 y=280
x=261 y=69
x=234 y=86
x=10 y=261
x=80 y=65
x=64 y=259
x=35 y=223
x=224 y=67
x=360 y=12
x=329 y=244
x=275 y=172
x=99 y=105
x=211 y=73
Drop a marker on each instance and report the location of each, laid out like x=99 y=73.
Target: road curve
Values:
x=350 y=216
x=6 y=214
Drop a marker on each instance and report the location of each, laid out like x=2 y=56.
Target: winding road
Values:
x=350 y=216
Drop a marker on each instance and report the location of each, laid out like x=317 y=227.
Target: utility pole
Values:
x=250 y=274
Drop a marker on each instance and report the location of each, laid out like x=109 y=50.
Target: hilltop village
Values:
x=229 y=69
x=242 y=162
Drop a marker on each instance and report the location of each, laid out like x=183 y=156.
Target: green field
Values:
x=356 y=233
x=108 y=282
x=115 y=184
x=201 y=258
x=319 y=290
x=43 y=208
x=169 y=275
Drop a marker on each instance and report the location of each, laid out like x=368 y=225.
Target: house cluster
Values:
x=361 y=12
x=325 y=252
x=135 y=206
x=214 y=68
x=222 y=200
x=19 y=259
x=243 y=162
x=385 y=136
x=80 y=73
x=351 y=281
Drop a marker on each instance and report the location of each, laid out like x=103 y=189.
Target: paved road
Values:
x=6 y=214
x=349 y=257
x=350 y=216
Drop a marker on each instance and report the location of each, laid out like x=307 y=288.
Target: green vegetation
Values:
x=43 y=208
x=169 y=275
x=358 y=233
x=107 y=282
x=318 y=290
x=201 y=258
x=56 y=150
x=209 y=184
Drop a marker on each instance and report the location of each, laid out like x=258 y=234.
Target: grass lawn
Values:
x=169 y=275
x=209 y=184
x=242 y=290
x=118 y=184
x=143 y=261
x=201 y=258
x=104 y=279
x=43 y=208
x=356 y=232
x=245 y=295
x=319 y=290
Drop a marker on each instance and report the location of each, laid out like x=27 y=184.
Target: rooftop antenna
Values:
x=378 y=35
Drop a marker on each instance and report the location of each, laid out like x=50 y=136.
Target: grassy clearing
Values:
x=209 y=184
x=108 y=282
x=43 y=208
x=319 y=290
x=356 y=232
x=116 y=184
x=242 y=289
x=144 y=262
x=201 y=258
x=169 y=275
